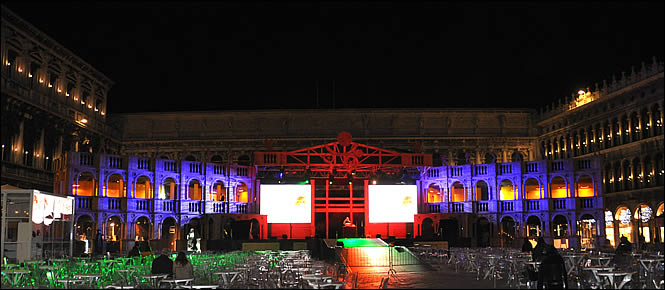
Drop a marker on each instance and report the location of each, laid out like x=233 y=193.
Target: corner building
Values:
x=578 y=172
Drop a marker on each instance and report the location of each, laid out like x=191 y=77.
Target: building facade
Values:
x=577 y=173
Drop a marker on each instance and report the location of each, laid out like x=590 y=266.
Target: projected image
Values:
x=286 y=203
x=392 y=203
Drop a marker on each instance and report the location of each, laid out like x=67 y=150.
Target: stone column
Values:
x=650 y=123
x=639 y=125
x=621 y=132
x=631 y=131
x=603 y=138
x=593 y=140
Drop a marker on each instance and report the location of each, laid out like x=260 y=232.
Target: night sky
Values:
x=173 y=56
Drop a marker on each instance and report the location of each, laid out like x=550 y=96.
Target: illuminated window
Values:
x=433 y=193
x=143 y=187
x=194 y=190
x=86 y=185
x=506 y=190
x=532 y=189
x=241 y=193
x=558 y=188
x=457 y=192
x=609 y=227
x=625 y=229
x=115 y=186
x=167 y=190
x=218 y=191
x=585 y=186
x=587 y=230
x=644 y=214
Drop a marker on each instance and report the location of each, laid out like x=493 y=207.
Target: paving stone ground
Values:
x=419 y=277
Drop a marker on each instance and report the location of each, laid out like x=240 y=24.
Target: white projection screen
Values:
x=286 y=203
x=392 y=203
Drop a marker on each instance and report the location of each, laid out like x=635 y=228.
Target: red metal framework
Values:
x=343 y=158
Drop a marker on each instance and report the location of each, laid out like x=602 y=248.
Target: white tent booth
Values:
x=36 y=225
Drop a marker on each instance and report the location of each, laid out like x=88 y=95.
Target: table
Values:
x=225 y=277
x=88 y=278
x=60 y=261
x=16 y=276
x=173 y=283
x=602 y=261
x=595 y=270
x=68 y=282
x=154 y=279
x=610 y=276
x=573 y=261
x=647 y=265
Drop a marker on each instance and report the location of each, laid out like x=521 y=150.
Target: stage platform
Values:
x=356 y=243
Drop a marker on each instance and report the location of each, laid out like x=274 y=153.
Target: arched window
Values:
x=190 y=158
x=623 y=217
x=194 y=190
x=585 y=186
x=587 y=231
x=482 y=191
x=457 y=192
x=433 y=193
x=115 y=186
x=85 y=231
x=533 y=227
x=243 y=160
x=142 y=229
x=242 y=193
x=609 y=226
x=114 y=229
x=660 y=228
x=168 y=189
x=560 y=227
x=558 y=188
x=217 y=159
x=218 y=191
x=143 y=188
x=643 y=215
x=86 y=185
x=647 y=180
x=507 y=191
x=532 y=189
x=627 y=178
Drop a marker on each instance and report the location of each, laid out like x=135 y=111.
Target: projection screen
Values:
x=286 y=203
x=392 y=203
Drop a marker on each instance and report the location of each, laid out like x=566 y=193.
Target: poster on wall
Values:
x=286 y=203
x=46 y=208
x=392 y=203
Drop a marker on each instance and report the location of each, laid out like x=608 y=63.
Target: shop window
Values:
x=623 y=217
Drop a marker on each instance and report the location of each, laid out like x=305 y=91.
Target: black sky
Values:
x=180 y=56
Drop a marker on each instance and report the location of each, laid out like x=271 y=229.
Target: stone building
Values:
x=576 y=173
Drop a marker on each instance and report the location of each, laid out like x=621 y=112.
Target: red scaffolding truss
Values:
x=340 y=159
